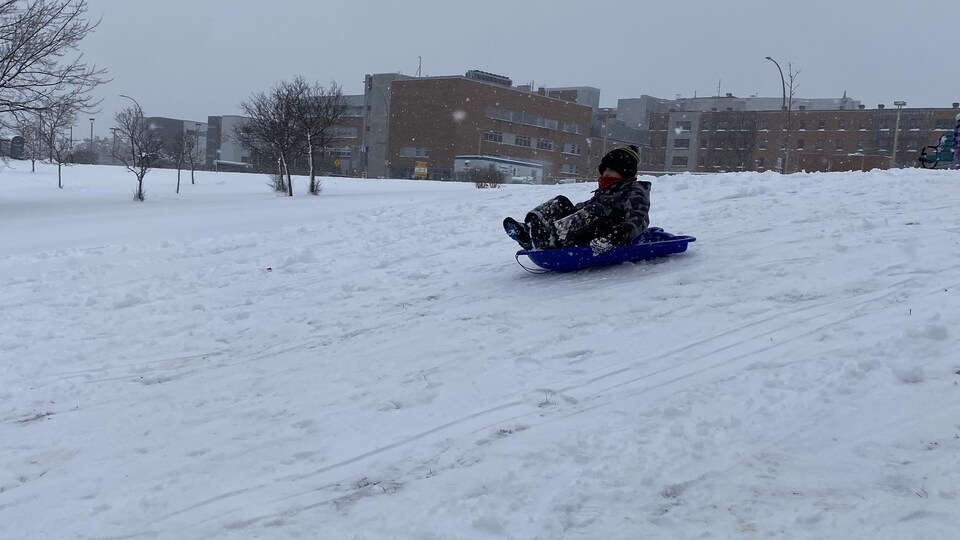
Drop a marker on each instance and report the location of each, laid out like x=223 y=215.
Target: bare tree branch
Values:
x=40 y=62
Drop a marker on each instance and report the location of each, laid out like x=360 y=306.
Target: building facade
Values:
x=436 y=119
x=807 y=140
x=173 y=131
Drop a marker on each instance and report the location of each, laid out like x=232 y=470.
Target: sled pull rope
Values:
x=530 y=270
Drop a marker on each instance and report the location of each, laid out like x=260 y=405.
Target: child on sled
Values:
x=617 y=212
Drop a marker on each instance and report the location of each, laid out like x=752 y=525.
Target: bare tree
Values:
x=139 y=148
x=39 y=57
x=61 y=152
x=195 y=154
x=30 y=126
x=178 y=154
x=58 y=116
x=273 y=126
x=318 y=112
x=791 y=91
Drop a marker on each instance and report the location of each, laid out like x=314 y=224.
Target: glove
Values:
x=620 y=236
x=600 y=245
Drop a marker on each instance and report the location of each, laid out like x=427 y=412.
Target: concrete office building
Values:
x=173 y=131
x=224 y=149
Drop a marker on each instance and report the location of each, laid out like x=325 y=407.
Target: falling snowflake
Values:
x=459 y=115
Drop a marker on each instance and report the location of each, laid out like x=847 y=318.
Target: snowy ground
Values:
x=372 y=364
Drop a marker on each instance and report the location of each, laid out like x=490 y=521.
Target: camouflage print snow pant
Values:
x=558 y=224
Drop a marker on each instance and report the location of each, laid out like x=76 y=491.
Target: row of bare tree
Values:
x=293 y=119
x=45 y=84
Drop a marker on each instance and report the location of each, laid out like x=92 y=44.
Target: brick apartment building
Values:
x=812 y=140
x=435 y=119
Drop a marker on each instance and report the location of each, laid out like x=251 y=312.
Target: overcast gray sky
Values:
x=194 y=58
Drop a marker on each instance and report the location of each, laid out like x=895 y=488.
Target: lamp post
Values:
x=896 y=134
x=91 y=133
x=114 y=156
x=784 y=107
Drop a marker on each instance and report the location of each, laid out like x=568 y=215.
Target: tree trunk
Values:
x=178 y=180
x=313 y=176
x=286 y=170
x=59 y=175
x=192 y=179
x=140 y=188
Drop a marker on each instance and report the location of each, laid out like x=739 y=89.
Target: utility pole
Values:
x=896 y=134
x=786 y=108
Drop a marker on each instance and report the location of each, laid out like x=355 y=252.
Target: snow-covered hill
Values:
x=373 y=364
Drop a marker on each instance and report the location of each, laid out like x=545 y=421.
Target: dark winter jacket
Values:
x=619 y=212
x=627 y=204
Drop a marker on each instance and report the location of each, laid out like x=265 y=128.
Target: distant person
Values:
x=617 y=212
x=956 y=144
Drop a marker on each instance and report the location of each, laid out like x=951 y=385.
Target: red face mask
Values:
x=607 y=181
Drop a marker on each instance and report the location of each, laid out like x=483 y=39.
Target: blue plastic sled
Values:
x=654 y=242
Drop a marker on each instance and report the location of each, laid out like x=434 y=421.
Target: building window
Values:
x=818 y=144
x=760 y=163
x=783 y=144
x=679 y=161
x=519 y=117
x=803 y=125
x=684 y=125
x=763 y=144
x=521 y=140
x=569 y=168
x=570 y=148
x=414 y=151
x=764 y=125
x=493 y=136
x=799 y=144
x=681 y=143
x=911 y=145
x=343 y=133
x=572 y=127
x=544 y=144
x=859 y=145
x=838 y=146
x=822 y=125
x=841 y=124
x=863 y=125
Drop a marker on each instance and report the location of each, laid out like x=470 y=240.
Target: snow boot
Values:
x=520 y=232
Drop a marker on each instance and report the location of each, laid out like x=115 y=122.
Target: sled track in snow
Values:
x=721 y=353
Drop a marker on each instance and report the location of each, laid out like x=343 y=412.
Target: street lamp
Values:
x=896 y=133
x=91 y=133
x=139 y=108
x=784 y=107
